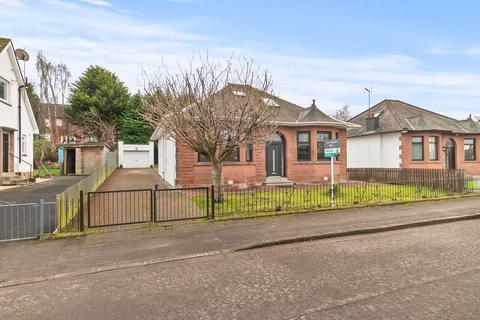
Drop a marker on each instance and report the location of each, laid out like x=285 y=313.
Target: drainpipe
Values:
x=20 y=123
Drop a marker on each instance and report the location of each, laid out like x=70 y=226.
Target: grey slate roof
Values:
x=290 y=113
x=3 y=43
x=395 y=115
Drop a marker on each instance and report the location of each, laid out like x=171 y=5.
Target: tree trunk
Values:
x=217 y=179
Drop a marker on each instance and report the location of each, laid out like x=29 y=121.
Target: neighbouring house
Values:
x=395 y=134
x=83 y=159
x=136 y=155
x=57 y=127
x=17 y=121
x=293 y=154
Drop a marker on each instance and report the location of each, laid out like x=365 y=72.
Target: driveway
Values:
x=128 y=179
x=125 y=197
x=34 y=192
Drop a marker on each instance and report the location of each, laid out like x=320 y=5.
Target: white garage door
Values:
x=136 y=159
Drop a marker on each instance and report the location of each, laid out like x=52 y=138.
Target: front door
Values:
x=274 y=159
x=450 y=154
x=5 y=152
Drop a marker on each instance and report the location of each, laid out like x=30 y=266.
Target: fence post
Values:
x=152 y=204
x=80 y=213
x=212 y=215
x=41 y=216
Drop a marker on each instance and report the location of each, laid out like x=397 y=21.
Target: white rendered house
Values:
x=17 y=121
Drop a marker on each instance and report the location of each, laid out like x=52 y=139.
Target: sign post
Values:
x=332 y=150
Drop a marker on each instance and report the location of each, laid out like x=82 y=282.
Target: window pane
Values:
x=303 y=137
x=417 y=148
x=303 y=146
x=3 y=90
x=321 y=137
x=433 y=148
x=249 y=154
x=234 y=156
x=469 y=148
x=202 y=158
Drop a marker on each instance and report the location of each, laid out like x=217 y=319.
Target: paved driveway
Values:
x=34 y=192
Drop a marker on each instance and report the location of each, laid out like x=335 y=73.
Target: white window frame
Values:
x=7 y=91
x=24 y=144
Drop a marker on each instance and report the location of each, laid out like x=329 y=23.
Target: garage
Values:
x=135 y=155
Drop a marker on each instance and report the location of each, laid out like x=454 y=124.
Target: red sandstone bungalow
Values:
x=293 y=154
x=395 y=134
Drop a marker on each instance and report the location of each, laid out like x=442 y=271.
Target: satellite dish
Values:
x=21 y=54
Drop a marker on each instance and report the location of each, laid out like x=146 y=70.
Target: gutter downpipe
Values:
x=20 y=123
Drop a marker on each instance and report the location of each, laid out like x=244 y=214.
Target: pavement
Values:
x=121 y=247
x=420 y=273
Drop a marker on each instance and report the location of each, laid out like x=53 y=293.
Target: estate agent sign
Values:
x=332 y=148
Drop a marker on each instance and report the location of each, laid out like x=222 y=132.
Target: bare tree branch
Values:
x=213 y=109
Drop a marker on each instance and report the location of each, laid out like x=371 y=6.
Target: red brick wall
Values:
x=192 y=172
x=471 y=167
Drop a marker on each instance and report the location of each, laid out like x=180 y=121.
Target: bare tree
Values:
x=201 y=108
x=96 y=126
x=54 y=82
x=343 y=113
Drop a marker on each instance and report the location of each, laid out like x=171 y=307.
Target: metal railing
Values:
x=27 y=220
x=263 y=199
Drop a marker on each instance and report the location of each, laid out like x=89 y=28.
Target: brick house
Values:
x=395 y=134
x=56 y=126
x=293 y=154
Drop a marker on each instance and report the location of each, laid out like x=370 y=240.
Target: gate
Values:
x=119 y=207
x=26 y=220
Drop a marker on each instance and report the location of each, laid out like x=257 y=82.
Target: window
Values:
x=249 y=153
x=202 y=158
x=24 y=145
x=234 y=156
x=322 y=136
x=433 y=148
x=3 y=90
x=303 y=146
x=59 y=122
x=47 y=123
x=417 y=148
x=469 y=148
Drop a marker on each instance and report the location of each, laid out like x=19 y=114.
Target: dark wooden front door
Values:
x=5 y=152
x=71 y=161
x=450 y=155
x=274 y=159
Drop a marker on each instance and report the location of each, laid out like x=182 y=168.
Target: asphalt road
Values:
x=18 y=222
x=421 y=273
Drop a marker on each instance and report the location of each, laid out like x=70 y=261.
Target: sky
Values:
x=426 y=53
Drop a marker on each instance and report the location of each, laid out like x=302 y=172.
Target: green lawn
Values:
x=312 y=197
x=43 y=173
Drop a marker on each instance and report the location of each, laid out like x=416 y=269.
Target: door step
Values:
x=278 y=181
x=12 y=179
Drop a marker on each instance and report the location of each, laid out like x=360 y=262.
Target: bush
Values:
x=40 y=143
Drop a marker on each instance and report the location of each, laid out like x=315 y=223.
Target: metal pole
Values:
x=332 y=180
x=41 y=216
x=80 y=213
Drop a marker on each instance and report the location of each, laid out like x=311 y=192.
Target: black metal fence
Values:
x=108 y=208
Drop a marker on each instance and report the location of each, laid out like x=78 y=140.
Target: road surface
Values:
x=420 y=273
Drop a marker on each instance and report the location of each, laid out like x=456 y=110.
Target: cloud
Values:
x=100 y=3
x=473 y=52
x=12 y=3
x=80 y=35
